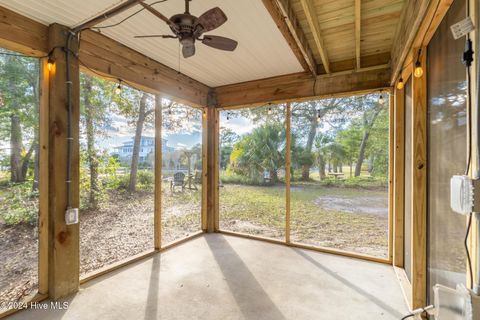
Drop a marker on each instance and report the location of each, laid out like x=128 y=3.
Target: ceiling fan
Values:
x=188 y=28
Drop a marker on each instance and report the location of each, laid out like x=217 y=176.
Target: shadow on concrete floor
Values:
x=349 y=284
x=253 y=301
x=151 y=309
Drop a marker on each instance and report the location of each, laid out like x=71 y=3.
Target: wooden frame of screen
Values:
x=287 y=241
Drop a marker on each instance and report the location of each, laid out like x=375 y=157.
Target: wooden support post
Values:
x=419 y=185
x=64 y=250
x=43 y=180
x=204 y=221
x=212 y=163
x=399 y=178
x=391 y=152
x=288 y=165
x=158 y=173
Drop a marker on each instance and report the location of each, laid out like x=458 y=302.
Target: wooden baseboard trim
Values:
x=309 y=247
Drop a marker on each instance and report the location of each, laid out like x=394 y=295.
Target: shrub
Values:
x=145 y=179
x=19 y=204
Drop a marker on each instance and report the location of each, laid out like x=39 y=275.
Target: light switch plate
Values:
x=71 y=216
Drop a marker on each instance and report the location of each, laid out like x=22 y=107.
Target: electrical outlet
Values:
x=71 y=216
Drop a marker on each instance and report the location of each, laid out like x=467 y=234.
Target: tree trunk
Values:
x=142 y=113
x=361 y=153
x=321 y=167
x=308 y=147
x=36 y=168
x=26 y=160
x=16 y=147
x=92 y=157
x=273 y=176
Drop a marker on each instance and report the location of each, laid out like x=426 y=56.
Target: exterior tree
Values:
x=144 y=111
x=261 y=150
x=95 y=106
x=322 y=142
x=19 y=89
x=306 y=119
x=350 y=140
x=371 y=109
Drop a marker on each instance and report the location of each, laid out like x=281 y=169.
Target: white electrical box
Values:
x=71 y=216
x=461 y=194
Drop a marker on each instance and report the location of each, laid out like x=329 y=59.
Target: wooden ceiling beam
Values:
x=301 y=86
x=287 y=22
x=115 y=60
x=358 y=20
x=22 y=34
x=313 y=23
x=414 y=31
x=107 y=15
x=413 y=14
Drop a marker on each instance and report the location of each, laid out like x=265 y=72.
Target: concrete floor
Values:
x=223 y=277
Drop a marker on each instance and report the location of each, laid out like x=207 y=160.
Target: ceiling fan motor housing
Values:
x=186 y=26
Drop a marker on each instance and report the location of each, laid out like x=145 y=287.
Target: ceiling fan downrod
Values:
x=187 y=6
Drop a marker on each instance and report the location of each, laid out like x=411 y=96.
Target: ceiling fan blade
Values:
x=188 y=51
x=221 y=43
x=159 y=15
x=212 y=19
x=157 y=36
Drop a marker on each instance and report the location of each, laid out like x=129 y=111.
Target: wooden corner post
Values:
x=157 y=221
x=212 y=138
x=419 y=183
x=398 y=177
x=64 y=265
x=391 y=173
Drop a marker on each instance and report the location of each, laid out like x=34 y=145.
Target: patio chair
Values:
x=178 y=181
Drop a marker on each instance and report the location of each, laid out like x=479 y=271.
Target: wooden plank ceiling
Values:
x=347 y=34
x=276 y=37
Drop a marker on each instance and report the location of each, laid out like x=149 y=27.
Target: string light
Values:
x=418 y=72
x=228 y=116
x=318 y=114
x=50 y=63
x=118 y=90
x=381 y=100
x=270 y=110
x=400 y=84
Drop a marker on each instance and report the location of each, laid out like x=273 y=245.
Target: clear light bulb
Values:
x=400 y=84
x=270 y=110
x=118 y=90
x=50 y=64
x=381 y=100
x=418 y=72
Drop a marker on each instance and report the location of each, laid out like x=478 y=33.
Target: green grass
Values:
x=261 y=211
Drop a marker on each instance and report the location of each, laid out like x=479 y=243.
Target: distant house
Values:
x=147 y=148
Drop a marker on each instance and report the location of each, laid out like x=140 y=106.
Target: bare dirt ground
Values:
x=121 y=228
x=18 y=262
x=124 y=228
x=376 y=205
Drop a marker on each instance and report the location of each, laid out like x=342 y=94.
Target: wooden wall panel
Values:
x=419 y=187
